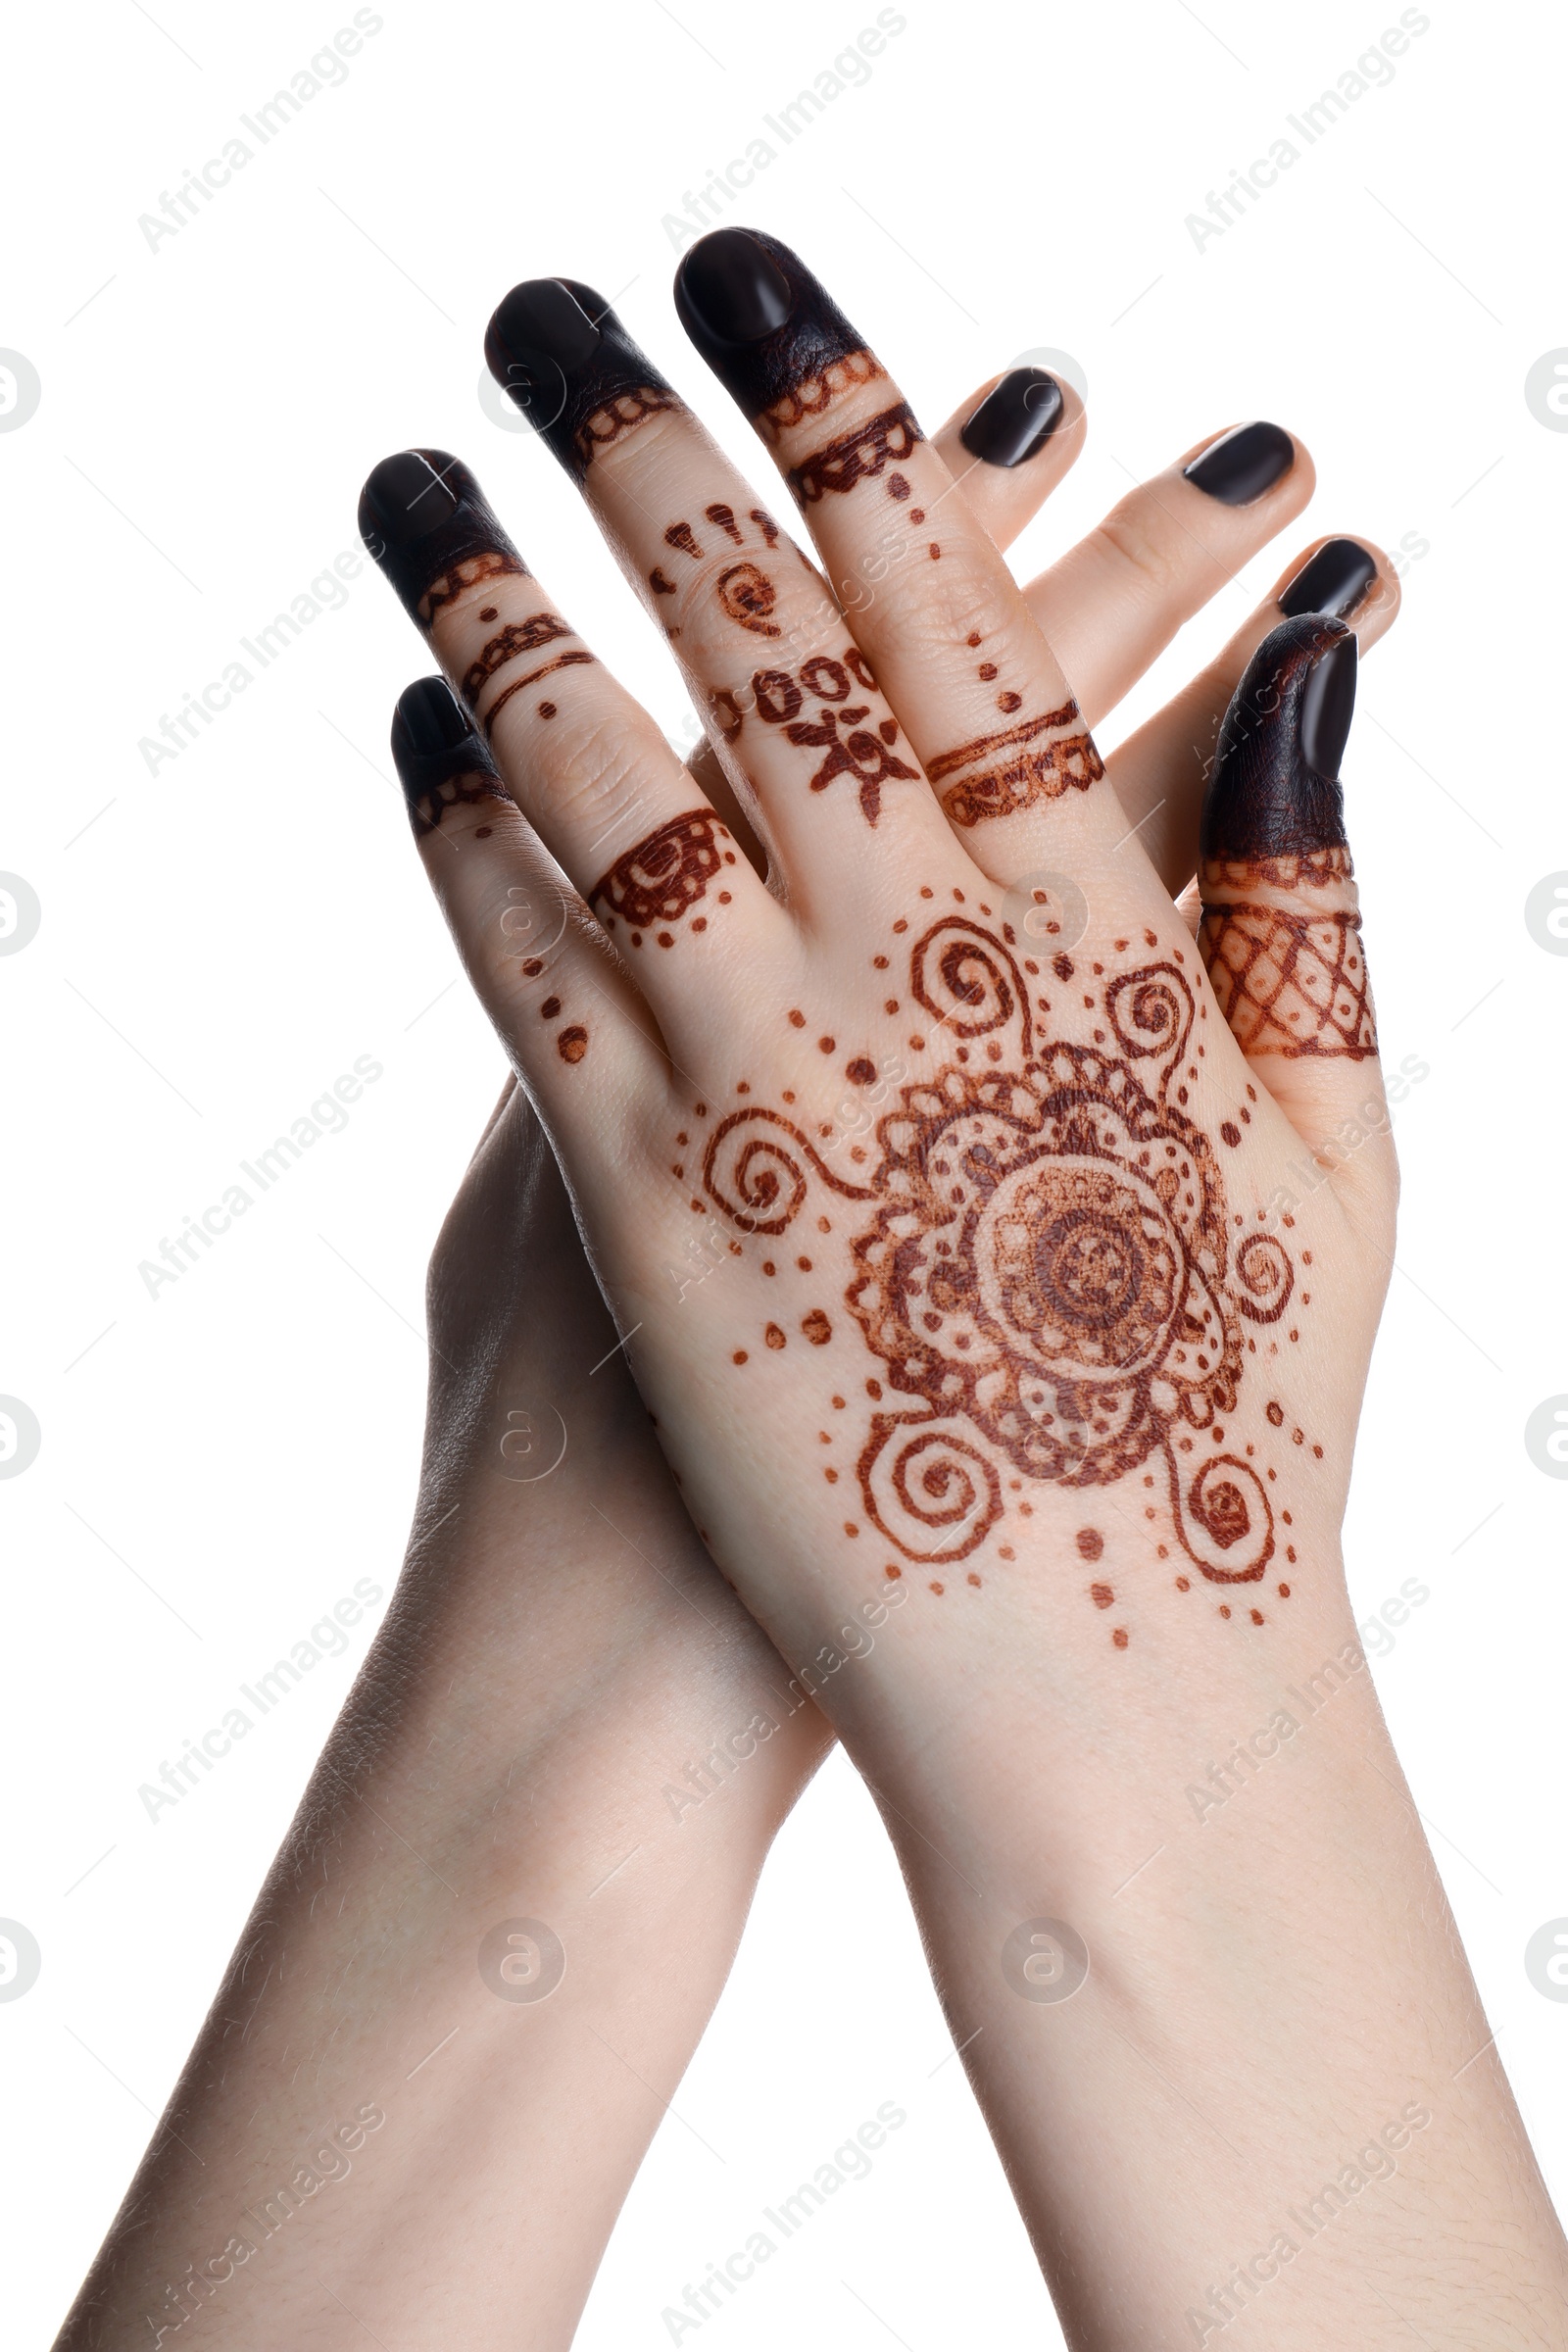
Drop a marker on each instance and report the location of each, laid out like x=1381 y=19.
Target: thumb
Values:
x=1281 y=929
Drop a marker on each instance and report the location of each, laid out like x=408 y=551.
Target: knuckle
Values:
x=1140 y=549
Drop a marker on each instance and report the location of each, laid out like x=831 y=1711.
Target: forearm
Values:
x=1275 y=2084
x=374 y=2120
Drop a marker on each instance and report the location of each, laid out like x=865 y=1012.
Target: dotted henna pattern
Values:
x=662 y=878
x=1014 y=769
x=1049 y=1276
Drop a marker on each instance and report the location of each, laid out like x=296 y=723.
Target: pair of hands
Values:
x=946 y=1231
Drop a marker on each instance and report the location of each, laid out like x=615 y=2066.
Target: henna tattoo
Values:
x=1290 y=980
x=1280 y=933
x=518 y=637
x=664 y=877
x=747 y=595
x=572 y=1043
x=426 y=522
x=558 y=351
x=517 y=685
x=1050 y=1279
x=779 y=695
x=855 y=456
x=440 y=760
x=998 y=774
x=815 y=393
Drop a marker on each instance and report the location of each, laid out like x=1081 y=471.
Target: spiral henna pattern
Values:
x=1050 y=1276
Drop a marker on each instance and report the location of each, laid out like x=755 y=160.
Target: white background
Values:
x=223 y=939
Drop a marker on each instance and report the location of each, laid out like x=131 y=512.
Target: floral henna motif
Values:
x=1289 y=981
x=839 y=729
x=1014 y=768
x=856 y=455
x=661 y=880
x=1050 y=1277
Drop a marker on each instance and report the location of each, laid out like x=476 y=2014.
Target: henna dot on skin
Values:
x=917 y=514
x=1119 y=1637
x=1101 y=1595
x=768 y=1266
x=918 y=1044
x=1010 y=702
x=894 y=1573
x=1257 y=1616
x=1285 y=1591
x=1230 y=1135
x=1318 y=1452
x=1289 y=1553
x=849 y=1527
x=489 y=613
x=547 y=709
x=974 y=1580
x=1091 y=1543
x=825 y=1225
x=817 y=1329
x=1184 y=1584
x=902 y=924
x=549 y=1008
x=1224 y=1609
x=531 y=970
x=987 y=670
x=935 y=552
x=1149 y=941
x=1276 y=1415
x=699 y=1111
x=825 y=1044
x=701 y=923
x=939 y=1590
x=797 y=1020
x=832 y=1477
x=743 y=1086
x=879 y=963
x=788 y=1095
x=484 y=832
x=892 y=1005
x=572 y=1043
x=873 y=1389
x=1062 y=966
x=774 y=1336
x=739 y=1356
x=898 y=487
x=837 y=1403
x=1005 y=1552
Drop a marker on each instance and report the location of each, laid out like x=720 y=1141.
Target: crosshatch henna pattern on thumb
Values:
x=1052 y=1282
x=1281 y=929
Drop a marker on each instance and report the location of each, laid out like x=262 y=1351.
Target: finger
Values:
x=1161 y=770
x=583 y=760
x=795 y=712
x=1009 y=446
x=1280 y=930
x=944 y=625
x=1115 y=601
x=540 y=966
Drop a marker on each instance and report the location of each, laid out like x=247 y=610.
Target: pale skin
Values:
x=540 y=1685
x=587 y=1688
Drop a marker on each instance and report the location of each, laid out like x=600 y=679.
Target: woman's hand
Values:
x=1044 y=1252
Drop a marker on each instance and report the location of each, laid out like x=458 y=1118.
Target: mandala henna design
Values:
x=1048 y=1276
x=1014 y=768
x=662 y=878
x=855 y=456
x=1289 y=980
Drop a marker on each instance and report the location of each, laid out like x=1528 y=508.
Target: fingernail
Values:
x=426 y=522
x=1015 y=419
x=562 y=357
x=766 y=327
x=1242 y=463
x=1334 y=580
x=1274 y=791
x=439 y=755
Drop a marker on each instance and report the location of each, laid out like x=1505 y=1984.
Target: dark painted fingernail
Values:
x=561 y=353
x=766 y=327
x=1274 y=791
x=439 y=755
x=1334 y=580
x=1015 y=419
x=426 y=520
x=1242 y=463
